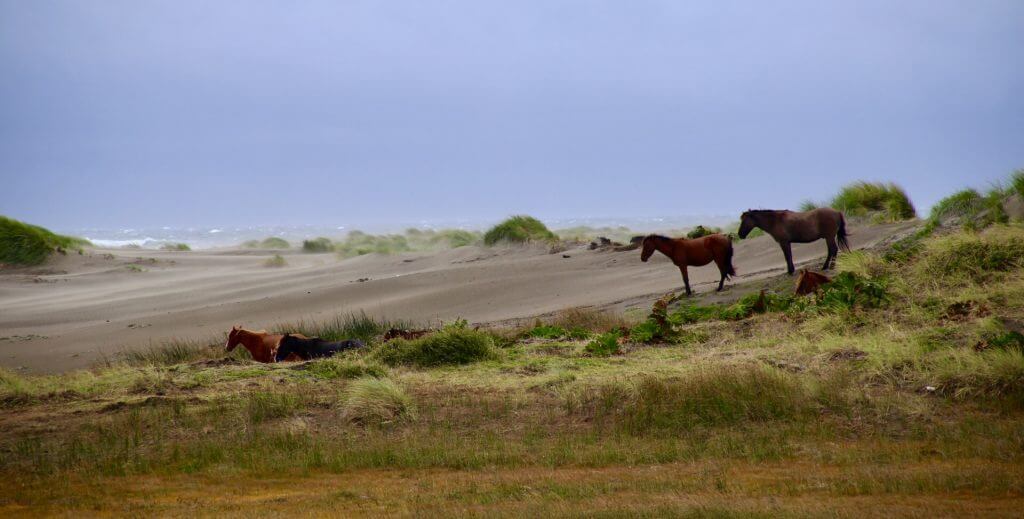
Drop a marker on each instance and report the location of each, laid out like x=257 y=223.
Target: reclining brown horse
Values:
x=789 y=227
x=696 y=252
x=261 y=345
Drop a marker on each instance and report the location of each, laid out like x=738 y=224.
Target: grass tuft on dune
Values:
x=519 y=229
x=884 y=202
x=27 y=244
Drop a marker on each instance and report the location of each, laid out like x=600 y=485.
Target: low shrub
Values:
x=518 y=229
x=451 y=345
x=317 y=245
x=1017 y=182
x=867 y=198
x=604 y=345
x=272 y=242
x=377 y=401
x=26 y=244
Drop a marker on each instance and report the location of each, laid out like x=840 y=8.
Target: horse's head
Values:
x=648 y=247
x=747 y=224
x=234 y=338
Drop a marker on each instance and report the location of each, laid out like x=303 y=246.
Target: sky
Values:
x=131 y=113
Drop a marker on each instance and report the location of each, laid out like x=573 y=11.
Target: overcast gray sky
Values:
x=132 y=113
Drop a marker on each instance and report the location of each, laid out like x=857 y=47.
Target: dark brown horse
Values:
x=696 y=252
x=789 y=227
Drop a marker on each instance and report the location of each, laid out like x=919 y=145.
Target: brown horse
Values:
x=696 y=252
x=261 y=345
x=789 y=227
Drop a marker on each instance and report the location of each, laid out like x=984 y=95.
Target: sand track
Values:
x=75 y=309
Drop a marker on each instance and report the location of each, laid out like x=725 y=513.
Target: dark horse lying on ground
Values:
x=314 y=348
x=791 y=227
x=696 y=252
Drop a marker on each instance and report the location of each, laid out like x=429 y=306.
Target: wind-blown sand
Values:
x=76 y=309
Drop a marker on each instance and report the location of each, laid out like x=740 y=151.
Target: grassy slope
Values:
x=800 y=413
x=26 y=244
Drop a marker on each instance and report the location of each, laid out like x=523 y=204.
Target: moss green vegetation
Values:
x=276 y=260
x=883 y=202
x=26 y=244
x=899 y=387
x=179 y=247
x=519 y=229
x=272 y=242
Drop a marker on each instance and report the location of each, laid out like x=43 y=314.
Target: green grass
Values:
x=519 y=229
x=272 y=242
x=700 y=231
x=974 y=256
x=377 y=401
x=451 y=345
x=26 y=244
x=604 y=345
x=889 y=202
x=320 y=244
x=809 y=205
x=276 y=261
x=1017 y=182
x=179 y=247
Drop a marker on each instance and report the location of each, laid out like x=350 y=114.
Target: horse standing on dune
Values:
x=788 y=227
x=261 y=345
x=696 y=252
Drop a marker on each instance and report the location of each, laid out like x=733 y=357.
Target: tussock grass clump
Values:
x=451 y=345
x=276 y=261
x=975 y=256
x=972 y=209
x=888 y=201
x=709 y=396
x=320 y=244
x=377 y=401
x=272 y=242
x=1017 y=182
x=547 y=331
x=176 y=247
x=996 y=374
x=27 y=244
x=809 y=205
x=597 y=321
x=700 y=231
x=519 y=229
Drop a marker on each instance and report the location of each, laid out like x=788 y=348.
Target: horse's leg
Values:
x=833 y=249
x=721 y=269
x=686 y=279
x=787 y=251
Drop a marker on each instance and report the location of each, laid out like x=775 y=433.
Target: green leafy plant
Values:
x=604 y=345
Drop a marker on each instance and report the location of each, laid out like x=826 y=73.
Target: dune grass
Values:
x=27 y=244
x=700 y=231
x=276 y=260
x=272 y=242
x=519 y=229
x=315 y=245
x=886 y=202
x=377 y=401
x=178 y=247
x=455 y=344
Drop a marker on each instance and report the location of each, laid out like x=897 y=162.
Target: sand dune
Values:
x=77 y=308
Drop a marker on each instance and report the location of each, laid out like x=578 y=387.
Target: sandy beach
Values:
x=76 y=309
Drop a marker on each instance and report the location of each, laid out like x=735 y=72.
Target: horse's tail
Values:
x=842 y=234
x=730 y=270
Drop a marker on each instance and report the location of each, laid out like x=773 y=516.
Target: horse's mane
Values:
x=764 y=211
x=657 y=237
